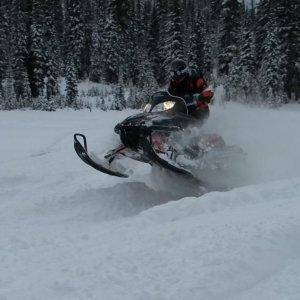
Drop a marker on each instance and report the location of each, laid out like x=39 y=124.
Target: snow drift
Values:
x=68 y=232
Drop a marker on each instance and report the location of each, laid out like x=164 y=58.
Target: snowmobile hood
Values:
x=149 y=119
x=131 y=121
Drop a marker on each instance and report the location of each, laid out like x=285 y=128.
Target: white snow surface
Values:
x=69 y=232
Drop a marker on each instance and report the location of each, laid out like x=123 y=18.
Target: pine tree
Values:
x=190 y=10
x=270 y=73
x=18 y=55
x=86 y=49
x=208 y=59
x=153 y=44
x=247 y=64
x=162 y=19
x=1 y=96
x=53 y=49
x=134 y=40
x=174 y=46
x=25 y=98
x=242 y=71
x=113 y=43
x=38 y=47
x=4 y=38
x=45 y=103
x=73 y=38
x=9 y=100
x=56 y=27
x=71 y=85
x=147 y=83
x=216 y=7
x=196 y=42
x=263 y=17
x=96 y=73
x=293 y=78
x=211 y=14
x=229 y=34
x=74 y=32
x=287 y=16
x=119 y=98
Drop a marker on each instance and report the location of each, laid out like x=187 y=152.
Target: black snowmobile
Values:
x=155 y=136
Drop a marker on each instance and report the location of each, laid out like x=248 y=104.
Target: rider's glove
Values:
x=206 y=96
x=203 y=97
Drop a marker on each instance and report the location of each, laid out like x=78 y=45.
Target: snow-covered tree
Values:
x=4 y=37
x=271 y=74
x=242 y=70
x=113 y=43
x=137 y=39
x=19 y=54
x=162 y=18
x=87 y=30
x=74 y=32
x=153 y=45
x=230 y=25
x=38 y=49
x=71 y=85
x=174 y=46
x=9 y=98
x=119 y=97
x=96 y=72
x=286 y=14
x=53 y=51
x=196 y=42
x=147 y=83
x=73 y=38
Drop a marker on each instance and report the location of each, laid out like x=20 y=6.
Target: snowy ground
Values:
x=68 y=232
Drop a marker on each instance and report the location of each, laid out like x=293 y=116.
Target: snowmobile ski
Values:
x=82 y=152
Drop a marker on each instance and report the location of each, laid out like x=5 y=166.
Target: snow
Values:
x=93 y=94
x=69 y=232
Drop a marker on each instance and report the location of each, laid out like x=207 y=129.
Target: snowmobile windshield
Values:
x=164 y=101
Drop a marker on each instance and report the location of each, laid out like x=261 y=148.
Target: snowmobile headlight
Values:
x=147 y=108
x=168 y=105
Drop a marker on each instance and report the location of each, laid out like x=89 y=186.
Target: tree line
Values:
x=253 y=50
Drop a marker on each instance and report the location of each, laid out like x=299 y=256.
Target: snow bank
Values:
x=242 y=244
x=68 y=232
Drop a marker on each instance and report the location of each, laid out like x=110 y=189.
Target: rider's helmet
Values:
x=177 y=69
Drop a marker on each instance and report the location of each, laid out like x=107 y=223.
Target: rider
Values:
x=189 y=84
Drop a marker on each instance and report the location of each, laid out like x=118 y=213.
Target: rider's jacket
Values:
x=195 y=92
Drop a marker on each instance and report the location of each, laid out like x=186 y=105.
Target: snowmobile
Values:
x=157 y=137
